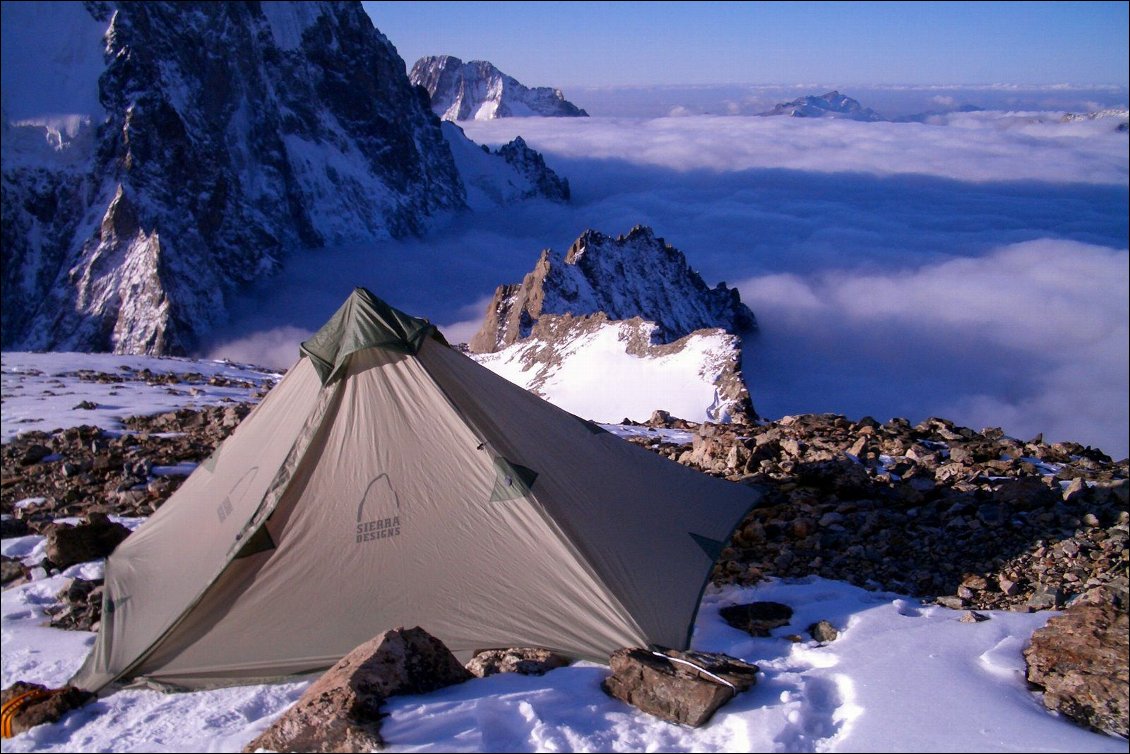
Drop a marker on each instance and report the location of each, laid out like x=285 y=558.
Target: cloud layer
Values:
x=1030 y=337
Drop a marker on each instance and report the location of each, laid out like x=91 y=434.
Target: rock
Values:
x=13 y=527
x=757 y=618
x=97 y=538
x=1045 y=597
x=80 y=606
x=952 y=602
x=340 y=712
x=41 y=705
x=972 y=616
x=672 y=687
x=1081 y=658
x=12 y=571
x=823 y=631
x=525 y=660
x=34 y=454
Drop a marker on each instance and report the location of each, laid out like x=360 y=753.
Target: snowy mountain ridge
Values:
x=638 y=274
x=478 y=91
x=220 y=139
x=829 y=105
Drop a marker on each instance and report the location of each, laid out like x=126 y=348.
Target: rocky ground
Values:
x=973 y=520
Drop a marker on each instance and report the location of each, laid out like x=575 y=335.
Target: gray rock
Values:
x=523 y=660
x=823 y=631
x=672 y=687
x=340 y=712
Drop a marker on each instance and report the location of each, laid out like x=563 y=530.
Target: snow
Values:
x=41 y=392
x=902 y=676
x=596 y=378
x=490 y=180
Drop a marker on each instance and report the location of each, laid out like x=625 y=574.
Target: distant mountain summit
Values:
x=830 y=105
x=621 y=325
x=479 y=91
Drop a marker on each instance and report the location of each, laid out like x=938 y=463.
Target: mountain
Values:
x=512 y=173
x=620 y=327
x=479 y=91
x=638 y=274
x=830 y=105
x=159 y=157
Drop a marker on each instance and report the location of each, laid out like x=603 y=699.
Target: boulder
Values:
x=340 y=712
x=680 y=687
x=1080 y=658
x=97 y=538
x=523 y=660
x=27 y=705
x=823 y=631
x=757 y=618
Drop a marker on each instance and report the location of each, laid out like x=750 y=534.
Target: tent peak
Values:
x=364 y=321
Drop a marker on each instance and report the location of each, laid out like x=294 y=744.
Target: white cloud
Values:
x=276 y=348
x=975 y=147
x=1031 y=337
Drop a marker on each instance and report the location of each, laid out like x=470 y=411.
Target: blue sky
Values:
x=650 y=43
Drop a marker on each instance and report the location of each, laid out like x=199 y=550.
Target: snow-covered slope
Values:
x=509 y=174
x=610 y=370
x=479 y=91
x=619 y=328
x=829 y=105
x=205 y=142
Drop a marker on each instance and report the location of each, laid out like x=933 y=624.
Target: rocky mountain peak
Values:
x=477 y=90
x=633 y=275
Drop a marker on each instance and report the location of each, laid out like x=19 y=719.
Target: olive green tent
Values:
x=388 y=480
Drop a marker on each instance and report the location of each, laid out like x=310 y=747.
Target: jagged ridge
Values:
x=634 y=275
x=479 y=91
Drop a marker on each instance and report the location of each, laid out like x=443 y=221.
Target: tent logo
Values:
x=378 y=513
x=225 y=508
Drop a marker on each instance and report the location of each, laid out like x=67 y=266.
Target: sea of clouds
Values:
x=975 y=268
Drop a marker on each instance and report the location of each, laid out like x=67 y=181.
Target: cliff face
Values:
x=479 y=91
x=228 y=135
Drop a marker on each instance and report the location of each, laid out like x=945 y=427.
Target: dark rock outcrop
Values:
x=479 y=91
x=340 y=712
x=674 y=686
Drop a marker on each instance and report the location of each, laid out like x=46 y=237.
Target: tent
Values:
x=388 y=480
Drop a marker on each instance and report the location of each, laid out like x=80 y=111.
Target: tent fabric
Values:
x=414 y=487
